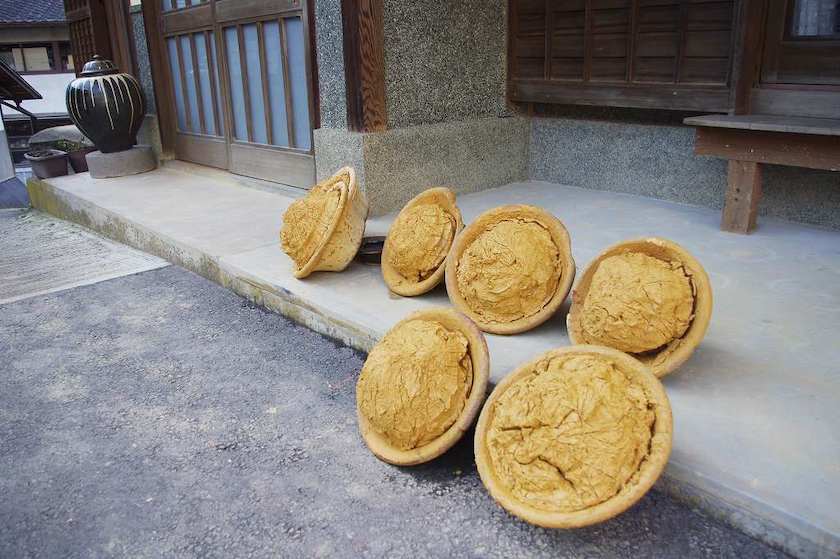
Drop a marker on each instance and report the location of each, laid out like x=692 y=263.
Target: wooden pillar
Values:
x=364 y=65
x=743 y=192
x=87 y=21
x=158 y=58
x=121 y=35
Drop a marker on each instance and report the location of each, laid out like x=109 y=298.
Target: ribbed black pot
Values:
x=107 y=105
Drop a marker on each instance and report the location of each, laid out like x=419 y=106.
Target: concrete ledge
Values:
x=395 y=165
x=755 y=409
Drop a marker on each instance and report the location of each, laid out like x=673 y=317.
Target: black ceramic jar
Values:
x=107 y=105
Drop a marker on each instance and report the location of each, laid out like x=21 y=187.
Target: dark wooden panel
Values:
x=289 y=167
x=661 y=18
x=567 y=5
x=819 y=104
x=659 y=96
x=809 y=62
x=654 y=69
x=204 y=150
x=707 y=43
x=791 y=60
x=568 y=21
x=200 y=16
x=618 y=49
x=530 y=67
x=530 y=47
x=88 y=30
x=704 y=70
x=779 y=148
x=608 y=4
x=531 y=23
x=530 y=6
x=567 y=68
x=609 y=45
x=713 y=15
x=608 y=69
x=610 y=21
x=567 y=45
x=234 y=10
x=656 y=44
x=364 y=65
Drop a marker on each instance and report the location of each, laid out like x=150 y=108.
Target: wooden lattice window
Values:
x=673 y=54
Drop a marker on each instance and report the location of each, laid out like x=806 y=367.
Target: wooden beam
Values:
x=312 y=65
x=645 y=96
x=158 y=59
x=287 y=89
x=746 y=54
x=779 y=148
x=743 y=192
x=364 y=65
x=121 y=35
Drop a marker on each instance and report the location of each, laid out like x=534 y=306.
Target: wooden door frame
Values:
x=158 y=59
x=750 y=95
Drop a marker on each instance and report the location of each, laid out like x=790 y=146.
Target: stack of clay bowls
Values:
x=511 y=269
x=573 y=437
x=323 y=230
x=647 y=297
x=570 y=438
x=418 y=242
x=422 y=386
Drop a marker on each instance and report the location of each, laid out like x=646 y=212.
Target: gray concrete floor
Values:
x=159 y=414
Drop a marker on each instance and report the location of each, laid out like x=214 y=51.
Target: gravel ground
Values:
x=158 y=414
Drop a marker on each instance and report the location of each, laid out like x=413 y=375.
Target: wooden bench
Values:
x=747 y=141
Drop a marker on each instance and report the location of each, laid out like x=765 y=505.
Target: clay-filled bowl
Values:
x=667 y=358
x=484 y=222
x=445 y=199
x=477 y=348
x=647 y=471
x=343 y=237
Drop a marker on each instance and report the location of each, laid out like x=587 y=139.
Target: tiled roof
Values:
x=31 y=11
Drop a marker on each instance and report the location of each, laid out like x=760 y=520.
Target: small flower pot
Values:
x=78 y=159
x=47 y=163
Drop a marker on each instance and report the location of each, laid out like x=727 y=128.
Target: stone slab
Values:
x=395 y=165
x=756 y=414
x=138 y=159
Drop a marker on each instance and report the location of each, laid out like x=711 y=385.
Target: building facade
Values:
x=590 y=93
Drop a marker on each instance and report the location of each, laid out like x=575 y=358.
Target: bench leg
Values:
x=742 y=195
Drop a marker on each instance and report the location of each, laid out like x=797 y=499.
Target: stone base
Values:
x=395 y=165
x=138 y=159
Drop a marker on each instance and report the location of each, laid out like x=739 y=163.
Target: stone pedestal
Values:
x=395 y=165
x=138 y=159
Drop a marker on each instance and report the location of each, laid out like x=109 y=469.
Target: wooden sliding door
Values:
x=241 y=88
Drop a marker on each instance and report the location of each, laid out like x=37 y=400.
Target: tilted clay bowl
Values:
x=418 y=364
x=574 y=437
x=624 y=314
x=331 y=240
x=421 y=235
x=501 y=260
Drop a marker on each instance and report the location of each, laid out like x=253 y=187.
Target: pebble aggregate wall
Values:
x=444 y=61
x=658 y=161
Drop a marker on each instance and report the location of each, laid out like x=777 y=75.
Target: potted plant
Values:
x=47 y=163
x=76 y=152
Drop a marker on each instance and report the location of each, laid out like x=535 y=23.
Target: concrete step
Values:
x=755 y=409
